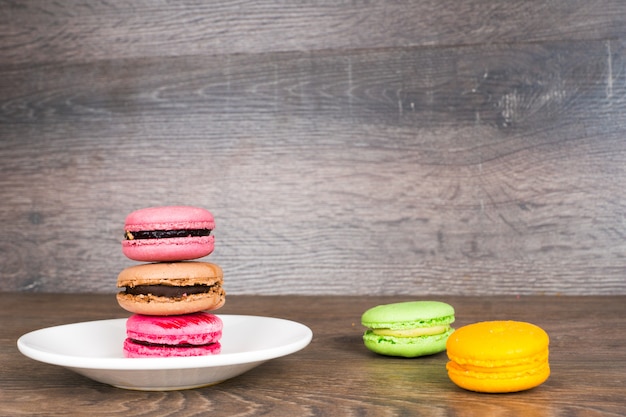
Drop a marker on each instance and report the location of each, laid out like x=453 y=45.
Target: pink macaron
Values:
x=195 y=334
x=167 y=234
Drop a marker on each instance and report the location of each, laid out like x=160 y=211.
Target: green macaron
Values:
x=409 y=329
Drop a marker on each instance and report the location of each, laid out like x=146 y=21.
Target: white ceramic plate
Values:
x=94 y=349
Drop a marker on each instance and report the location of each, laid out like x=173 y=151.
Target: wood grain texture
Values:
x=335 y=375
x=474 y=151
x=39 y=30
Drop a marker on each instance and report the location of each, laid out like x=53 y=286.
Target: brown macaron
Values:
x=171 y=288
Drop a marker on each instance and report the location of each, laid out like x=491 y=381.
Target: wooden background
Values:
x=344 y=147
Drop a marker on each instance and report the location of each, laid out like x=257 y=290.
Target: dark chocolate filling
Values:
x=167 y=291
x=182 y=345
x=165 y=234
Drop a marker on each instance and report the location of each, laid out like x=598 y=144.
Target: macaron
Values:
x=408 y=329
x=498 y=356
x=169 y=233
x=168 y=288
x=193 y=334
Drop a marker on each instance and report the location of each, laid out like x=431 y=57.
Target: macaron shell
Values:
x=168 y=250
x=408 y=315
x=165 y=306
x=134 y=350
x=500 y=381
x=484 y=342
x=169 y=218
x=171 y=273
x=195 y=329
x=409 y=347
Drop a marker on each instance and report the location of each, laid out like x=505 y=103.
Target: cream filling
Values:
x=418 y=331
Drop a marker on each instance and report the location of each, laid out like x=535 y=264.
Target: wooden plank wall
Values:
x=344 y=147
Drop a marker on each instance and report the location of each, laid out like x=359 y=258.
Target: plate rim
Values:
x=132 y=364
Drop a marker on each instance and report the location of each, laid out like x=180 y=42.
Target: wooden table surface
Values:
x=335 y=375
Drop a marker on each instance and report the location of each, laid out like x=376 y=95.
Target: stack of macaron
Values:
x=489 y=356
x=171 y=291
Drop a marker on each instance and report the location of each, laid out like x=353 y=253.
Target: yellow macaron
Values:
x=498 y=356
